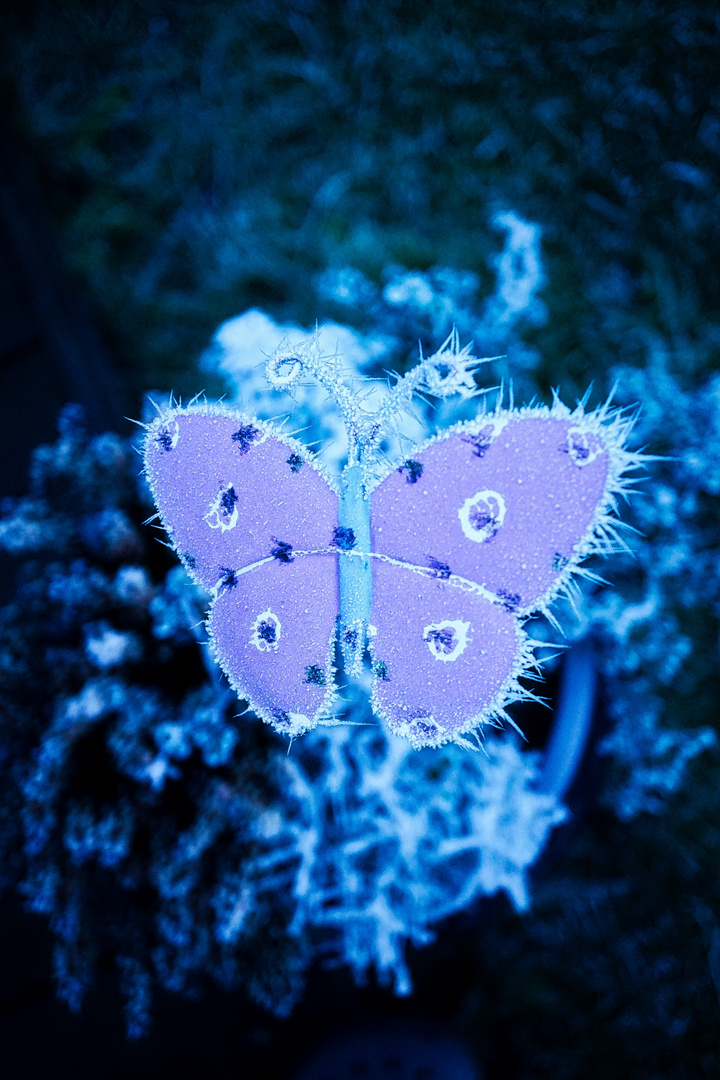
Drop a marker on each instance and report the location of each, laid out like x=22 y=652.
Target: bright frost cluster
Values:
x=394 y=840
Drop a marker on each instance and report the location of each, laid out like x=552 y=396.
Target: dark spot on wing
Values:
x=281 y=718
x=576 y=447
x=350 y=637
x=381 y=671
x=444 y=639
x=440 y=570
x=414 y=470
x=229 y=578
x=481 y=441
x=282 y=551
x=267 y=631
x=559 y=561
x=164 y=439
x=295 y=462
x=511 y=601
x=344 y=538
x=245 y=436
x=228 y=500
x=189 y=559
x=315 y=675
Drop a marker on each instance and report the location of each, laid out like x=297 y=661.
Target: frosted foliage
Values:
x=409 y=306
x=520 y=274
x=669 y=592
x=352 y=846
x=240 y=349
x=393 y=840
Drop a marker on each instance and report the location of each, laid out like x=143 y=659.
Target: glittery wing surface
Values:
x=446 y=659
x=245 y=507
x=511 y=502
x=481 y=527
x=232 y=491
x=273 y=634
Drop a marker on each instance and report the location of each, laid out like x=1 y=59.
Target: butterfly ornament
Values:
x=424 y=569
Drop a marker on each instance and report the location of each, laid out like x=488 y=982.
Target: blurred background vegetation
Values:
x=200 y=159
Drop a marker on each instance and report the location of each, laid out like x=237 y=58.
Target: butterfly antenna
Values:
x=200 y=393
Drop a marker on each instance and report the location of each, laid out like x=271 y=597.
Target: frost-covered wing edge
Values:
x=613 y=426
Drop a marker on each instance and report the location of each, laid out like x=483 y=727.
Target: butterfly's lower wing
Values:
x=511 y=502
x=445 y=658
x=241 y=504
x=273 y=634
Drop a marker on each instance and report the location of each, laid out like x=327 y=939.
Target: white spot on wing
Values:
x=482 y=515
x=223 y=513
x=266 y=632
x=447 y=640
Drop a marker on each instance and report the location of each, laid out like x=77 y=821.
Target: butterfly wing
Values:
x=498 y=512
x=511 y=502
x=445 y=658
x=244 y=506
x=231 y=490
x=273 y=634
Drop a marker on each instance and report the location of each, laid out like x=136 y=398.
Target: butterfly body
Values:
x=355 y=571
x=430 y=568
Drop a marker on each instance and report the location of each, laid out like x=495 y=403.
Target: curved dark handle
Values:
x=573 y=721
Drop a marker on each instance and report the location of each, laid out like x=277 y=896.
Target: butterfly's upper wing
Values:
x=241 y=504
x=499 y=511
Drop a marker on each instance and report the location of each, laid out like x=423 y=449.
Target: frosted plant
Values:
x=355 y=845
x=424 y=304
x=394 y=841
x=240 y=350
x=520 y=274
x=666 y=601
x=411 y=304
